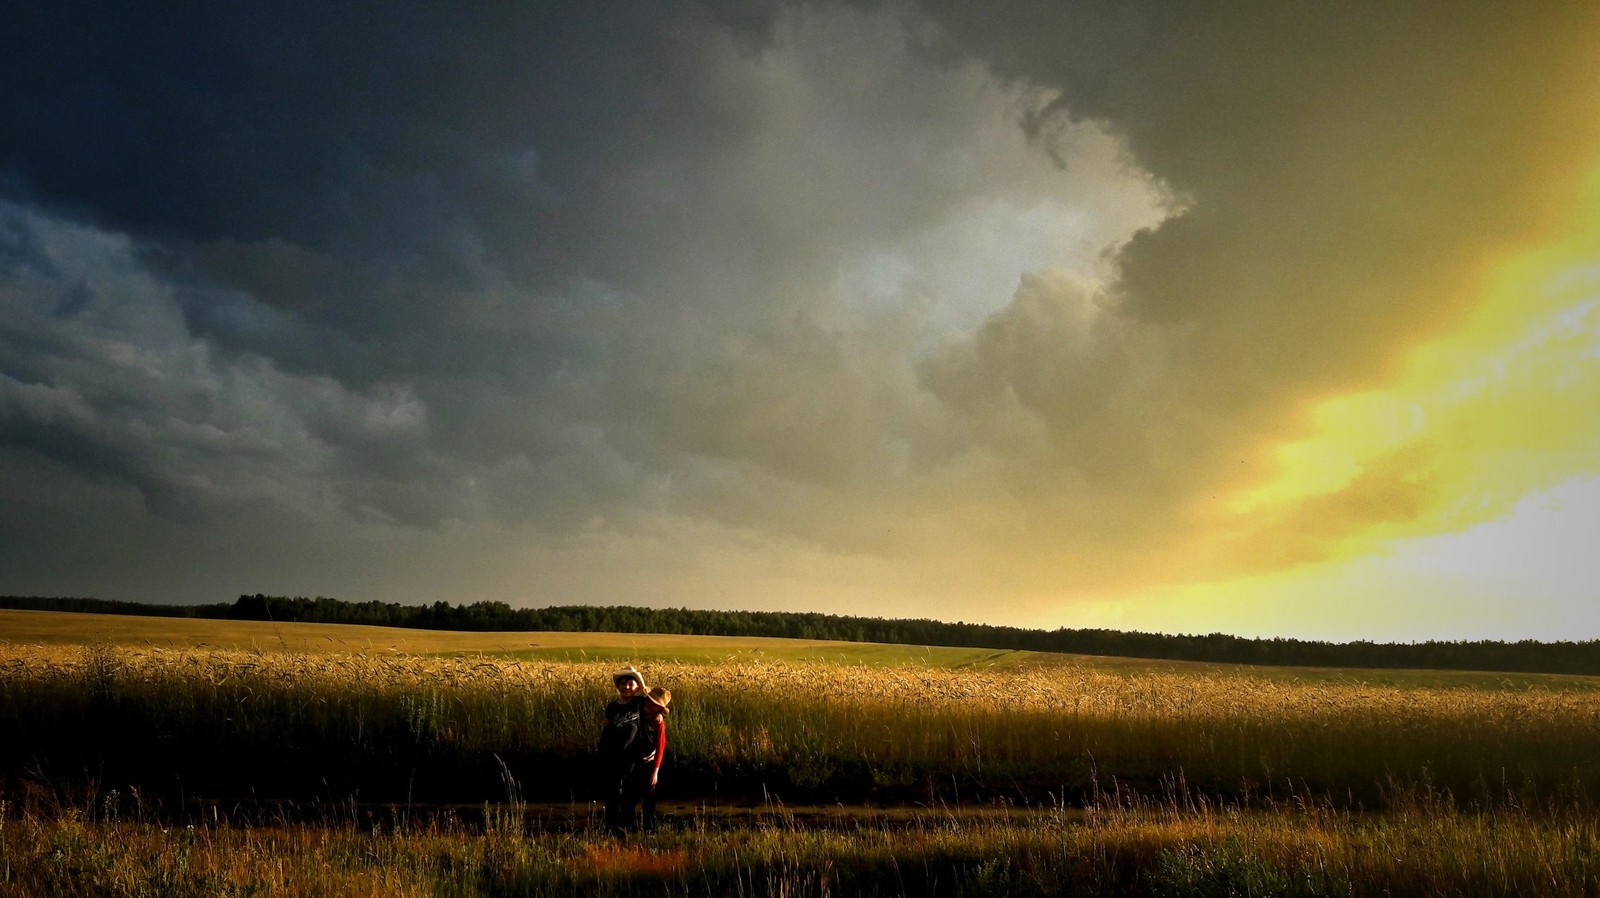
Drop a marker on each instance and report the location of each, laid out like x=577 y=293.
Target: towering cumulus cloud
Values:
x=782 y=305
x=1350 y=178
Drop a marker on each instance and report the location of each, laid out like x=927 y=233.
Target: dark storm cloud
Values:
x=105 y=371
x=355 y=162
x=560 y=238
x=296 y=120
x=352 y=197
x=739 y=272
x=99 y=371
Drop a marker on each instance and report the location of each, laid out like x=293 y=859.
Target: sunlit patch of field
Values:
x=73 y=629
x=67 y=629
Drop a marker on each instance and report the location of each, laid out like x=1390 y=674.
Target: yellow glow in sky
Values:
x=1474 y=477
x=1531 y=574
x=1508 y=404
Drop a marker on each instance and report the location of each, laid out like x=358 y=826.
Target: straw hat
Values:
x=661 y=697
x=629 y=672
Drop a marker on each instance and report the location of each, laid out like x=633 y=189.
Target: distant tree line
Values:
x=107 y=606
x=1527 y=656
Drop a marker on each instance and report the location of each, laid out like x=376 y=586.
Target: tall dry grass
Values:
x=1125 y=845
x=389 y=725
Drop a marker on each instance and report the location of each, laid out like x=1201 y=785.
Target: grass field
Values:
x=1114 y=776
x=45 y=628
x=54 y=628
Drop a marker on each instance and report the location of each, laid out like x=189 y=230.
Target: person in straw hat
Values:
x=632 y=743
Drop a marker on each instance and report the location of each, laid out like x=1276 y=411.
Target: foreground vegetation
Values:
x=1121 y=846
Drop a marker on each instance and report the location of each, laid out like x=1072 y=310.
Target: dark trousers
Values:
x=628 y=786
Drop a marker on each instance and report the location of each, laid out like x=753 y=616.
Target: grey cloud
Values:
x=1343 y=170
x=1064 y=354
x=121 y=390
x=273 y=272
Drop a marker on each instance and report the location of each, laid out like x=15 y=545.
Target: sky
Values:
x=1259 y=318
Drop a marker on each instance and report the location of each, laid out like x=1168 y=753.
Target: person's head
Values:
x=629 y=682
x=660 y=697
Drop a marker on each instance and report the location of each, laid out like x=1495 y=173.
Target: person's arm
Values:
x=661 y=749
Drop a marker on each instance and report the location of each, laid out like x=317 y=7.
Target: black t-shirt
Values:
x=622 y=736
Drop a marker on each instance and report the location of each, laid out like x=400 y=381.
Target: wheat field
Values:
x=814 y=725
x=145 y=767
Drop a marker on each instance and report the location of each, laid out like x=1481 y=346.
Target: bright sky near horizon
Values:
x=1265 y=319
